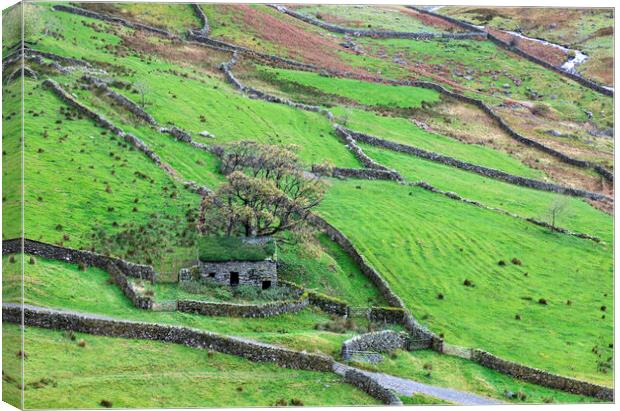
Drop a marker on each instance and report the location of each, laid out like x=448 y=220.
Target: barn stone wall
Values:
x=250 y=272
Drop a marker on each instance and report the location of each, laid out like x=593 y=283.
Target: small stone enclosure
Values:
x=239 y=262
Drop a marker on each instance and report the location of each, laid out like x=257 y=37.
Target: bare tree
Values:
x=142 y=88
x=557 y=208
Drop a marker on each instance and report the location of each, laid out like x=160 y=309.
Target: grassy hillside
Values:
x=588 y=30
x=577 y=215
x=147 y=374
x=431 y=368
x=426 y=245
x=56 y=284
x=476 y=277
x=365 y=93
x=368 y=17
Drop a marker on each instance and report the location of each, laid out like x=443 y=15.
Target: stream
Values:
x=569 y=66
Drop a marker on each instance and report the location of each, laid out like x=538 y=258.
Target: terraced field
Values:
x=126 y=131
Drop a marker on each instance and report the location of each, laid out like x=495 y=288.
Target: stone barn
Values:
x=238 y=262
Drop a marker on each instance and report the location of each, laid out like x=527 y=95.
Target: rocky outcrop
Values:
x=384 y=34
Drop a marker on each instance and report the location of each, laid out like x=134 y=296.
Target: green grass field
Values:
x=537 y=297
x=431 y=368
x=365 y=17
x=425 y=244
x=492 y=68
x=56 y=284
x=147 y=374
x=578 y=215
x=371 y=94
x=403 y=131
x=582 y=29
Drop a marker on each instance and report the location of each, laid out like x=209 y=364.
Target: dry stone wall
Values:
x=277 y=60
x=349 y=141
x=485 y=171
x=129 y=138
x=121 y=100
x=243 y=310
x=128 y=288
x=255 y=93
x=104 y=326
x=366 y=174
x=118 y=269
x=422 y=337
x=203 y=19
x=70 y=255
x=371 y=387
x=390 y=315
x=325 y=303
x=101 y=121
x=386 y=34
x=111 y=19
x=380 y=341
x=541 y=377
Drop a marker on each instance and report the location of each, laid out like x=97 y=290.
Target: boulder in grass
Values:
x=206 y=134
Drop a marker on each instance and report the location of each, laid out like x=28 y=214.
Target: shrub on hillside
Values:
x=541 y=110
x=297 y=402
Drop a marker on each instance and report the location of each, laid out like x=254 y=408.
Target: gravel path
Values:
x=408 y=388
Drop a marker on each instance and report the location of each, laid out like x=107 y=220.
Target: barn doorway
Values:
x=266 y=284
x=234 y=278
